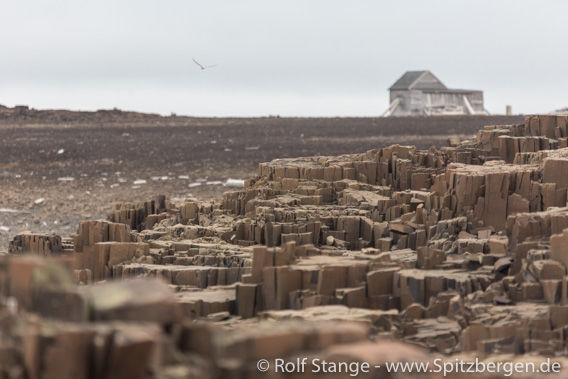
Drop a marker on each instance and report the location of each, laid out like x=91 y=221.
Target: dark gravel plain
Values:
x=81 y=163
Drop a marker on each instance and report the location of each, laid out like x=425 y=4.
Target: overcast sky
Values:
x=288 y=57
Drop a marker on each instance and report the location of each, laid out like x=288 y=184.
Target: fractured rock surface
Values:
x=457 y=252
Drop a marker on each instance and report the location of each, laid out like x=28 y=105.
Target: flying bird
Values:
x=200 y=65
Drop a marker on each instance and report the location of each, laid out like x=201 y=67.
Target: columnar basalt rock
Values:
x=38 y=244
x=460 y=250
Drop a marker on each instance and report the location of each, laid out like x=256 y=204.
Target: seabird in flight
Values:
x=200 y=65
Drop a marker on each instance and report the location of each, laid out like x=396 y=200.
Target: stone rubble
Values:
x=396 y=252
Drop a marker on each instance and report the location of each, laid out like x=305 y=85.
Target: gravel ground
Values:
x=59 y=167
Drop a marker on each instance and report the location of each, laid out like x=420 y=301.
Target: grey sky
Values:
x=289 y=57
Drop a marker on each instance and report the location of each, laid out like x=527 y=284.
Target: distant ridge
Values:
x=22 y=113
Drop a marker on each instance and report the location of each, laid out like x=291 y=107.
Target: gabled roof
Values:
x=412 y=79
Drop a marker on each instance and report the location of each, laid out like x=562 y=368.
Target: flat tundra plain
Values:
x=59 y=167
